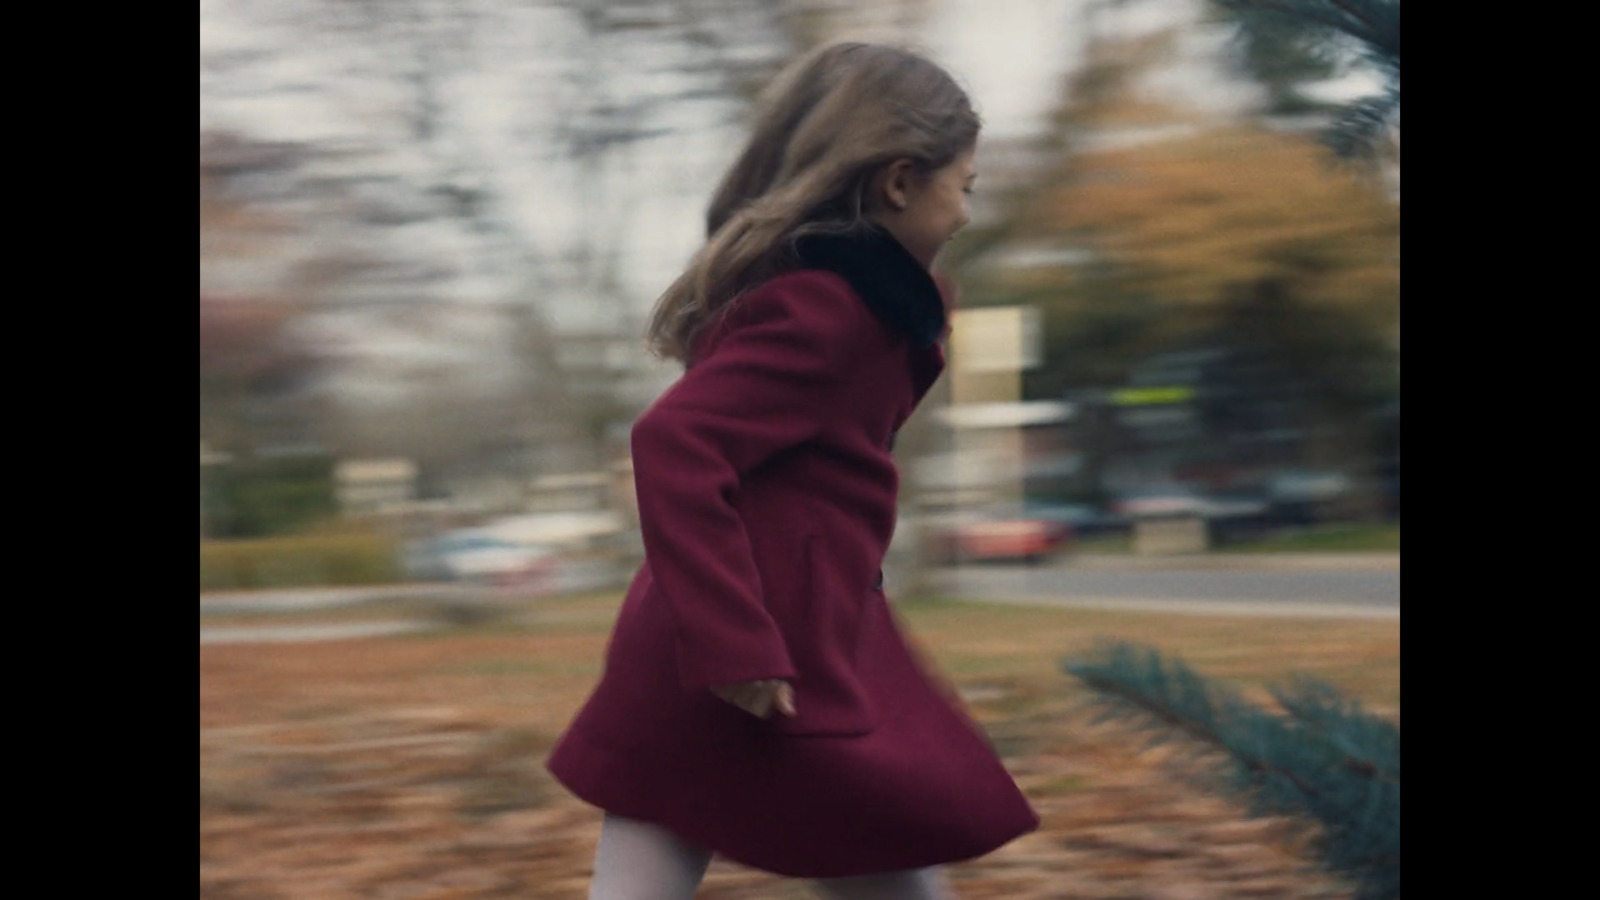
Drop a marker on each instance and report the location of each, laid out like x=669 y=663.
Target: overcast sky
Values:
x=271 y=71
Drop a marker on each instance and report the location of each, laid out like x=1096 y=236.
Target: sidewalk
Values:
x=1275 y=609
x=294 y=599
x=298 y=598
x=298 y=634
x=571 y=577
x=1006 y=585
x=1234 y=562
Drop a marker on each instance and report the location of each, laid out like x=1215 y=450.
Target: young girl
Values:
x=758 y=700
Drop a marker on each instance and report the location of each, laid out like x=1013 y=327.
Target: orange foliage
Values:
x=1203 y=214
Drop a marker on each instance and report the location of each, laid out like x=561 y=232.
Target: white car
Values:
x=1178 y=500
x=475 y=556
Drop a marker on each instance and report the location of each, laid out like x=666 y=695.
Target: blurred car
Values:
x=1085 y=520
x=1389 y=484
x=574 y=531
x=1163 y=501
x=980 y=538
x=1305 y=497
x=1228 y=517
x=477 y=557
x=1173 y=500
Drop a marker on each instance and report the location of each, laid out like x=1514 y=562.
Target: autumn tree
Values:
x=1192 y=220
x=255 y=408
x=1246 y=239
x=1161 y=230
x=251 y=369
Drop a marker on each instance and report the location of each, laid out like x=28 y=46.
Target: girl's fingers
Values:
x=761 y=703
x=760 y=698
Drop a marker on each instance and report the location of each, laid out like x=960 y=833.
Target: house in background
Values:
x=370 y=487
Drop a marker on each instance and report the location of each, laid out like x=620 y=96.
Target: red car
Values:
x=1000 y=538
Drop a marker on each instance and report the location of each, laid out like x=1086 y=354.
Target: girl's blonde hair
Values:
x=825 y=126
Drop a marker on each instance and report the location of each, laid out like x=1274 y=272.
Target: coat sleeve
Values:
x=767 y=386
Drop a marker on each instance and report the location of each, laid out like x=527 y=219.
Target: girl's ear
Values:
x=893 y=183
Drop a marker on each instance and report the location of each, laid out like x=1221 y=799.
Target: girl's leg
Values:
x=917 y=884
x=640 y=861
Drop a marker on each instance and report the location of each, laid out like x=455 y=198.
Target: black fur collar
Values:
x=891 y=282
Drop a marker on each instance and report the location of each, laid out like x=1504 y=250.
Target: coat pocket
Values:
x=823 y=630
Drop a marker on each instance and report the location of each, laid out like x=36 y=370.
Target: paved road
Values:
x=1313 y=586
x=298 y=599
x=296 y=634
x=1366 y=587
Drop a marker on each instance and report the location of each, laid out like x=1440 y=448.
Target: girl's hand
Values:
x=759 y=698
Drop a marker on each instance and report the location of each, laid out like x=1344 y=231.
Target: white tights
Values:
x=640 y=861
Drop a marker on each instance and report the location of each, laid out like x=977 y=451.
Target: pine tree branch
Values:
x=1362 y=767
x=1111 y=686
x=1291 y=11
x=1327 y=761
x=1322 y=710
x=1374 y=24
x=1345 y=8
x=1198 y=730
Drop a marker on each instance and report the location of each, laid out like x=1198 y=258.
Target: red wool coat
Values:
x=767 y=497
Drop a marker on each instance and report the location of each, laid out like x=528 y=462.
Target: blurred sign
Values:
x=1151 y=396
x=374 y=486
x=1006 y=415
x=996 y=339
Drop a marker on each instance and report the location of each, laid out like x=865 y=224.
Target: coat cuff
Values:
x=752 y=658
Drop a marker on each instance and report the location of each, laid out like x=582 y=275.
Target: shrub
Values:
x=262 y=497
x=304 y=560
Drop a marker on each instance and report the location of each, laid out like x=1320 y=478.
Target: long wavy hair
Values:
x=826 y=125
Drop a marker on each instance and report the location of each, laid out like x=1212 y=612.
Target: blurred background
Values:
x=431 y=232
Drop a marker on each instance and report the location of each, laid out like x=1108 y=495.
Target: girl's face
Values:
x=924 y=211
